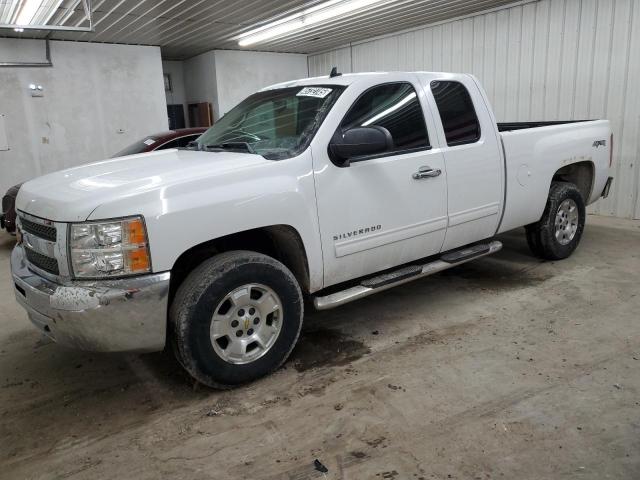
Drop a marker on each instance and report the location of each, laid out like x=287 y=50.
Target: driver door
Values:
x=379 y=212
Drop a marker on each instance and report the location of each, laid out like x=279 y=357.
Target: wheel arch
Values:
x=282 y=242
x=581 y=174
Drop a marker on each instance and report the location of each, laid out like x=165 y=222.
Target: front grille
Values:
x=42 y=231
x=43 y=262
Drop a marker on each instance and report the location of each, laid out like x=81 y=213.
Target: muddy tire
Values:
x=236 y=318
x=557 y=234
x=533 y=240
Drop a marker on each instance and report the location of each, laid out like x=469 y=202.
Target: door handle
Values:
x=426 y=172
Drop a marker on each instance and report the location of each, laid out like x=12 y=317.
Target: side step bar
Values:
x=404 y=275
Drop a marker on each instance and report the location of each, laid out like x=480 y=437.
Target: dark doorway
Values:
x=176 y=116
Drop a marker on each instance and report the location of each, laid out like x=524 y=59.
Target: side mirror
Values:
x=358 y=142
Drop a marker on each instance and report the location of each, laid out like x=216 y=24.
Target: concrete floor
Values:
x=503 y=368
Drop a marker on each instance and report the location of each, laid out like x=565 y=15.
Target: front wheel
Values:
x=236 y=318
x=557 y=234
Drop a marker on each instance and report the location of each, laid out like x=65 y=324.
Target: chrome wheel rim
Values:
x=566 y=221
x=246 y=323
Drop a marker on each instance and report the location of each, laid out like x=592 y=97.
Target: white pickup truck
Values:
x=329 y=188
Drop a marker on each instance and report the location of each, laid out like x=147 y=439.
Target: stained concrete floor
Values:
x=504 y=368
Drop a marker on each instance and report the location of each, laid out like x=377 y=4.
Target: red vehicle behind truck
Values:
x=160 y=141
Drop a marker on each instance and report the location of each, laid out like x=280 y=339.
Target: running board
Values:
x=404 y=275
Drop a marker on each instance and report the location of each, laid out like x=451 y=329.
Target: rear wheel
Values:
x=557 y=234
x=533 y=240
x=236 y=318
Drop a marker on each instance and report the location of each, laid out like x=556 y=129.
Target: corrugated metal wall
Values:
x=546 y=60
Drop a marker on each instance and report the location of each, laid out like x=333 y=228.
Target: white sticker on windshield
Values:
x=317 y=92
x=149 y=141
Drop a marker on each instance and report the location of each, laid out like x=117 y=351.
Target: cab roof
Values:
x=347 y=79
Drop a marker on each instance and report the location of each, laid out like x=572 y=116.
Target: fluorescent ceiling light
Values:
x=52 y=11
x=38 y=12
x=28 y=11
x=303 y=19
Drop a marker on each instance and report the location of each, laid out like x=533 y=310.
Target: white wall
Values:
x=17 y=50
x=226 y=77
x=91 y=92
x=239 y=74
x=200 y=81
x=547 y=60
x=175 y=69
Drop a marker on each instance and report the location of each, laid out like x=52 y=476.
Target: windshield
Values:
x=276 y=124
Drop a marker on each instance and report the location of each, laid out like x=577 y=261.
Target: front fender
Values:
x=181 y=216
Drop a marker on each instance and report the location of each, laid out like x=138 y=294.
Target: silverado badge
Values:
x=356 y=233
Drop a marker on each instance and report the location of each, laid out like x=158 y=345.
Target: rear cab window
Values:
x=394 y=106
x=457 y=113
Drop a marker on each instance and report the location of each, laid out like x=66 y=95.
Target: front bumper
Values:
x=127 y=315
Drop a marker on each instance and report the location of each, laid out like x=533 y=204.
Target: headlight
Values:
x=109 y=248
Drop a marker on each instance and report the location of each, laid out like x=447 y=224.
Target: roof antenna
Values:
x=334 y=72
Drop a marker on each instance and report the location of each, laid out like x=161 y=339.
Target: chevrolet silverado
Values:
x=330 y=189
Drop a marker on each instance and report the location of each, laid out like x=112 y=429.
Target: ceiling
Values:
x=184 y=28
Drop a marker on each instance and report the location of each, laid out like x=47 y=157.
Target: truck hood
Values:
x=71 y=195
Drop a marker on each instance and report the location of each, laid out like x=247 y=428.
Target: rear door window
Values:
x=459 y=119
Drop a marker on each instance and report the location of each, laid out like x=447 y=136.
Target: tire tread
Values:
x=191 y=291
x=541 y=235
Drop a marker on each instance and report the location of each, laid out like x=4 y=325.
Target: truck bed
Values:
x=510 y=126
x=533 y=155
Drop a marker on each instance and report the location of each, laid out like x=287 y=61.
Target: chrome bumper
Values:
x=128 y=315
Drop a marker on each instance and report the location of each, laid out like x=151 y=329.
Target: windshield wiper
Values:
x=243 y=146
